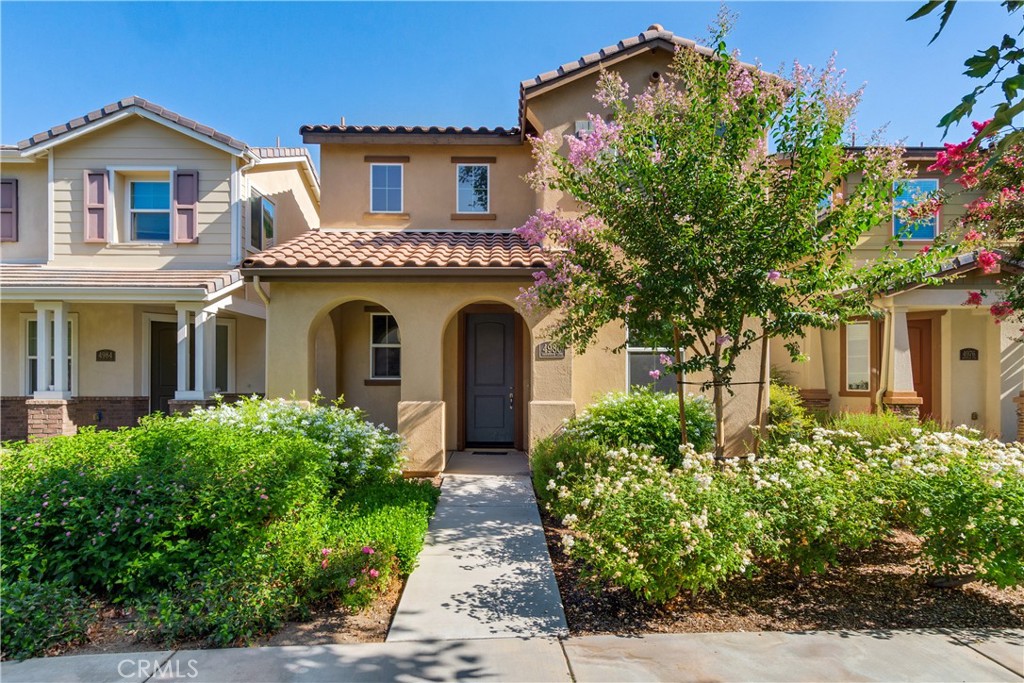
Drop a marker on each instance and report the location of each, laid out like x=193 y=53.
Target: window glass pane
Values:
x=222 y=358
x=387 y=362
x=641 y=363
x=256 y=223
x=33 y=386
x=32 y=338
x=151 y=226
x=379 y=177
x=472 y=189
x=379 y=200
x=385 y=330
x=394 y=177
x=151 y=195
x=912 y=192
x=394 y=201
x=858 y=357
x=268 y=219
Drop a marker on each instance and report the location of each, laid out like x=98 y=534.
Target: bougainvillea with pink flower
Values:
x=700 y=232
x=991 y=228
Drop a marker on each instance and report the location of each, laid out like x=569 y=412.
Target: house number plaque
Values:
x=106 y=356
x=968 y=354
x=549 y=351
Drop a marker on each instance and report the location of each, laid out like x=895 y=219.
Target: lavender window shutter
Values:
x=186 y=198
x=97 y=194
x=8 y=210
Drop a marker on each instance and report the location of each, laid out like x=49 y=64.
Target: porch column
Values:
x=900 y=396
x=52 y=340
x=551 y=395
x=992 y=359
x=421 y=409
x=196 y=348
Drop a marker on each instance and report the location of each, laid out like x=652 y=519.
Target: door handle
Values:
x=511 y=399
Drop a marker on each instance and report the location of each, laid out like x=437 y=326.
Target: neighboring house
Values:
x=125 y=228
x=404 y=301
x=927 y=354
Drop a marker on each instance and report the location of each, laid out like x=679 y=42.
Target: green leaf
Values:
x=1008 y=42
x=958 y=112
x=925 y=9
x=979 y=65
x=1011 y=85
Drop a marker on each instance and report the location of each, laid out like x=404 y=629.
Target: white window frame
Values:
x=401 y=188
x=937 y=217
x=374 y=346
x=23 y=349
x=116 y=225
x=264 y=244
x=458 y=170
x=866 y=324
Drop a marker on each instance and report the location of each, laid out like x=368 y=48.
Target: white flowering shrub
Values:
x=658 y=530
x=361 y=452
x=655 y=531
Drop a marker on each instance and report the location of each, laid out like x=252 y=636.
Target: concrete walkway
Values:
x=484 y=571
x=827 y=656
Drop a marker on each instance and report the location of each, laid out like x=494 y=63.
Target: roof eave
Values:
x=389 y=272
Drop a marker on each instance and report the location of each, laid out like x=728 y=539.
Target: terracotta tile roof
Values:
x=128 y=103
x=400 y=132
x=400 y=249
x=654 y=35
x=40 y=276
x=280 y=152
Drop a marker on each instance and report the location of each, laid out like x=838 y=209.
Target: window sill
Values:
x=372 y=215
x=850 y=393
x=474 y=217
x=382 y=382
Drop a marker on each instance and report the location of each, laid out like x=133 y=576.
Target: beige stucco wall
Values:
x=135 y=141
x=296 y=208
x=429 y=185
x=32 y=229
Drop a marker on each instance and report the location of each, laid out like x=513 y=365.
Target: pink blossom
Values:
x=323 y=565
x=723 y=339
x=988 y=260
x=367 y=550
x=374 y=573
x=1001 y=310
x=925 y=249
x=973 y=299
x=655 y=374
x=263 y=496
x=325 y=551
x=972 y=235
x=664 y=360
x=774 y=275
x=351 y=583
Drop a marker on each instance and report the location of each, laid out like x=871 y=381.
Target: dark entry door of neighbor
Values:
x=920 y=332
x=490 y=379
x=163 y=365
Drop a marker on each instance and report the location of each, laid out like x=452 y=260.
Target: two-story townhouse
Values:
x=120 y=295
x=404 y=301
x=926 y=353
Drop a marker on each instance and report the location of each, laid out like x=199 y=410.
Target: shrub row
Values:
x=219 y=525
x=657 y=529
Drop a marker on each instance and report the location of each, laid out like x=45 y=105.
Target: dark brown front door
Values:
x=490 y=379
x=920 y=332
x=163 y=365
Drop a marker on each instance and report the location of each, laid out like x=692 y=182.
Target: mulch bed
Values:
x=881 y=587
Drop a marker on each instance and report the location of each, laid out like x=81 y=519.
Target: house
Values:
x=125 y=227
x=404 y=302
x=926 y=354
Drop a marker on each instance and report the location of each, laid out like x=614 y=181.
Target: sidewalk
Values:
x=827 y=656
x=484 y=571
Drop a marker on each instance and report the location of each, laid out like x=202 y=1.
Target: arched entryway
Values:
x=487 y=369
x=358 y=355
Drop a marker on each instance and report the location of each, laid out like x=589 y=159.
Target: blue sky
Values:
x=260 y=70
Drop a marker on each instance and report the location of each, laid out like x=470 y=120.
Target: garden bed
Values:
x=876 y=588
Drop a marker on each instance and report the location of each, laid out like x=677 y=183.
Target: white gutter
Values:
x=264 y=297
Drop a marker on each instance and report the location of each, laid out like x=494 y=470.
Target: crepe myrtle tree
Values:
x=695 y=235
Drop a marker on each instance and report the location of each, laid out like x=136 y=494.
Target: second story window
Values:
x=474 y=188
x=261 y=222
x=150 y=210
x=8 y=210
x=386 y=188
x=907 y=193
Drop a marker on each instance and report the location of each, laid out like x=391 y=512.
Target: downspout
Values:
x=264 y=297
x=886 y=360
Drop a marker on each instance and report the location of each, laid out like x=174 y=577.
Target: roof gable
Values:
x=130 y=106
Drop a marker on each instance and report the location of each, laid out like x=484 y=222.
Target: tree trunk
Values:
x=762 y=393
x=719 y=419
x=683 y=439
